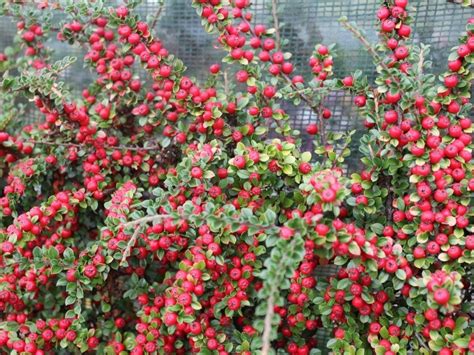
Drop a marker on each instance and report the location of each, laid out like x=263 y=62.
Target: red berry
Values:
x=323 y=50
x=312 y=128
x=90 y=271
x=239 y=162
x=196 y=172
x=305 y=168
x=441 y=296
x=286 y=232
x=451 y=81
x=233 y=303
x=170 y=318
x=360 y=101
x=401 y=3
x=388 y=26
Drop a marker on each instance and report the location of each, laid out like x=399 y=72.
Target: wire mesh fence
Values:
x=305 y=23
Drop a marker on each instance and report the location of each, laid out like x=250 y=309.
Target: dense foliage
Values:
x=156 y=214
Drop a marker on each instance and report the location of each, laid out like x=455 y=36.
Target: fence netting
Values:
x=305 y=23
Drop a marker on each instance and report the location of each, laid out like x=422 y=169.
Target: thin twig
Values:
x=156 y=217
x=56 y=144
x=371 y=150
x=316 y=108
x=422 y=342
x=302 y=95
x=377 y=105
x=123 y=147
x=130 y=245
x=341 y=153
x=157 y=16
x=419 y=74
x=56 y=92
x=276 y=24
x=389 y=200
x=226 y=83
x=119 y=147
x=322 y=126
x=368 y=46
x=135 y=234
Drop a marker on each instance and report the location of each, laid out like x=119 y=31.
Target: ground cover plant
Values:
x=156 y=214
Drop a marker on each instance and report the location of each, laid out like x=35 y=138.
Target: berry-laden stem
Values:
x=120 y=147
x=341 y=153
x=390 y=198
x=154 y=218
x=314 y=107
x=377 y=105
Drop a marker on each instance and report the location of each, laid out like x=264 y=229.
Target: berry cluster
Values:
x=155 y=214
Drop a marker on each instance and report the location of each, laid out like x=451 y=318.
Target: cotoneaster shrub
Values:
x=155 y=214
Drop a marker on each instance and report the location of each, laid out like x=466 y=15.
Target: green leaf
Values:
x=354 y=248
x=306 y=157
x=288 y=169
x=401 y=274
x=377 y=228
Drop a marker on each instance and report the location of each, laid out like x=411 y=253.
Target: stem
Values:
x=302 y=95
x=56 y=92
x=157 y=16
x=376 y=103
x=140 y=222
x=422 y=342
x=322 y=130
x=316 y=108
x=267 y=330
x=419 y=74
x=368 y=46
x=156 y=217
x=276 y=24
x=389 y=200
x=57 y=144
x=130 y=244
x=134 y=237
x=121 y=147
x=346 y=144
x=372 y=154
x=226 y=83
